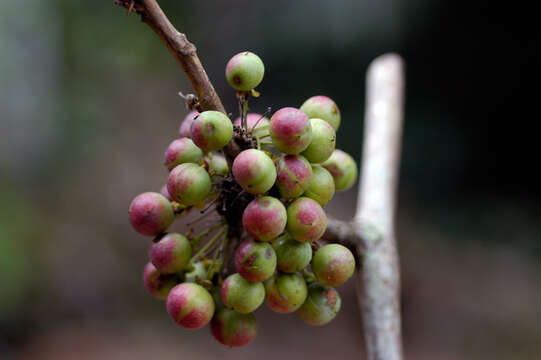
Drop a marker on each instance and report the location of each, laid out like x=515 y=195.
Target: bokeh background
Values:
x=89 y=102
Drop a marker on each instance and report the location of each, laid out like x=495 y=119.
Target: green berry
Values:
x=242 y=295
x=322 y=107
x=291 y=255
x=217 y=165
x=211 y=130
x=321 y=305
x=343 y=169
x=321 y=185
x=285 y=293
x=333 y=264
x=244 y=71
x=197 y=273
x=189 y=184
x=323 y=142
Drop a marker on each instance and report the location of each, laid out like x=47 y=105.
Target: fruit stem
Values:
x=209 y=244
x=196 y=238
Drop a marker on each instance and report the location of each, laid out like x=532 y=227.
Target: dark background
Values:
x=89 y=103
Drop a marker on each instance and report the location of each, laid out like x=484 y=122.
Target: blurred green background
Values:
x=89 y=102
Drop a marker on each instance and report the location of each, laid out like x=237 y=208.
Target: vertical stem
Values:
x=379 y=283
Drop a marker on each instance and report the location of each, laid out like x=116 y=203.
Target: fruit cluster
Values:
x=271 y=205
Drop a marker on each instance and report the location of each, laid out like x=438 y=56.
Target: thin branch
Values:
x=379 y=285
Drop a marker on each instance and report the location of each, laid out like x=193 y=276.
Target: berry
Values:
x=211 y=130
x=323 y=142
x=156 y=284
x=188 y=184
x=290 y=130
x=285 y=293
x=342 y=168
x=186 y=125
x=255 y=261
x=252 y=119
x=293 y=175
x=232 y=328
x=264 y=218
x=150 y=213
x=244 y=71
x=321 y=305
x=254 y=171
x=242 y=295
x=321 y=185
x=165 y=193
x=190 y=305
x=306 y=220
x=291 y=255
x=217 y=165
x=322 y=107
x=182 y=151
x=333 y=264
x=171 y=253
x=197 y=273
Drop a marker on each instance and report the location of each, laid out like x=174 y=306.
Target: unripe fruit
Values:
x=182 y=151
x=244 y=71
x=185 y=127
x=217 y=165
x=333 y=264
x=232 y=328
x=285 y=293
x=264 y=218
x=322 y=107
x=291 y=255
x=211 y=130
x=171 y=253
x=190 y=305
x=321 y=305
x=198 y=273
x=321 y=185
x=189 y=184
x=241 y=295
x=290 y=130
x=342 y=168
x=254 y=171
x=306 y=220
x=323 y=142
x=251 y=120
x=255 y=261
x=150 y=213
x=156 y=284
x=293 y=174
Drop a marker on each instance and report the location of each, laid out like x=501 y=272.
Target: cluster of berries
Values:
x=287 y=171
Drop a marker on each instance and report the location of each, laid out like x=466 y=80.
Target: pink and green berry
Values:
x=285 y=293
x=190 y=305
x=255 y=261
x=265 y=218
x=290 y=130
x=150 y=213
x=157 y=285
x=306 y=220
x=189 y=184
x=293 y=174
x=333 y=264
x=321 y=305
x=186 y=125
x=322 y=107
x=232 y=328
x=244 y=71
x=254 y=171
x=343 y=169
x=211 y=130
x=182 y=151
x=291 y=255
x=171 y=253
